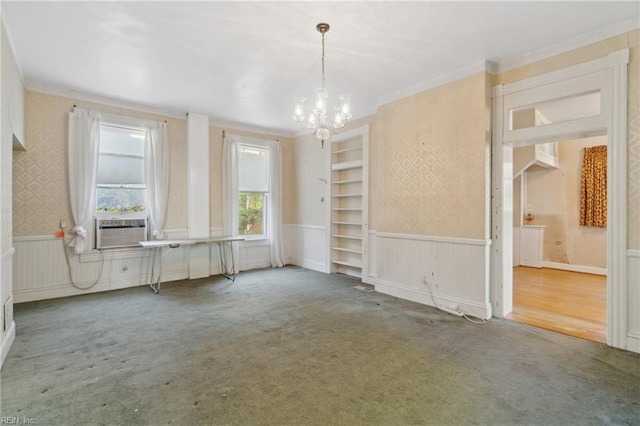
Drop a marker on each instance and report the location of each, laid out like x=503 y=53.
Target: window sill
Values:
x=255 y=242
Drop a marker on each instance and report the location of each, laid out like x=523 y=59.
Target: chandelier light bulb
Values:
x=298 y=113
x=317 y=117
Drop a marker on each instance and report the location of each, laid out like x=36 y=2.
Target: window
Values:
x=120 y=183
x=253 y=190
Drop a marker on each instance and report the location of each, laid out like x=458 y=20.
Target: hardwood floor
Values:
x=567 y=302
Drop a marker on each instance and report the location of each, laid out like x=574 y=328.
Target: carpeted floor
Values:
x=296 y=347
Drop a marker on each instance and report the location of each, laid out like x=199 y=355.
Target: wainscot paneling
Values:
x=457 y=270
x=40 y=270
x=305 y=246
x=633 y=300
x=8 y=324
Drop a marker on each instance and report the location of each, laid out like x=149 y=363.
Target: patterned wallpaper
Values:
x=40 y=185
x=431 y=162
x=597 y=50
x=5 y=191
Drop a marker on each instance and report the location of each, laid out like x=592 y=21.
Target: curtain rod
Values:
x=75 y=106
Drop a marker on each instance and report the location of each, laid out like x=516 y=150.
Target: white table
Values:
x=161 y=245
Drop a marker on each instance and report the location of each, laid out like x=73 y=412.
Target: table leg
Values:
x=156 y=286
x=223 y=263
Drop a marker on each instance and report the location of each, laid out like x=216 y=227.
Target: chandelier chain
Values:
x=322 y=59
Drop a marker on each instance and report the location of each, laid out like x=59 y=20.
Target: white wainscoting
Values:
x=457 y=270
x=306 y=246
x=633 y=300
x=9 y=334
x=40 y=270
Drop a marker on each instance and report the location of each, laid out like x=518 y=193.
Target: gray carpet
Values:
x=292 y=346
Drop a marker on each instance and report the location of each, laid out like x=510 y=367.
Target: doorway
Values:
x=606 y=77
x=560 y=265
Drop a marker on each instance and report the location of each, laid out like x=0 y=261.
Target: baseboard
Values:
x=575 y=268
x=67 y=290
x=424 y=298
x=308 y=264
x=7 y=341
x=633 y=342
x=255 y=265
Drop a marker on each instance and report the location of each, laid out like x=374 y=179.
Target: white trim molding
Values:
x=450 y=77
x=612 y=83
x=570 y=44
x=633 y=300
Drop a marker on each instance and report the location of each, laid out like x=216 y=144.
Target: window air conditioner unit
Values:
x=112 y=233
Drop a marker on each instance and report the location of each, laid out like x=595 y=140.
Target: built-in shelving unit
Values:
x=349 y=200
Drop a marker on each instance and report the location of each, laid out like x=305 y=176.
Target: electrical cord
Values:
x=449 y=311
x=73 y=283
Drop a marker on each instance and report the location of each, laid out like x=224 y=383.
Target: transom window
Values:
x=253 y=190
x=120 y=185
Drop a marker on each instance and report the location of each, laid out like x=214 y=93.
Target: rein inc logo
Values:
x=17 y=421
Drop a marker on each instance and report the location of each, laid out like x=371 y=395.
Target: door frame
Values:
x=613 y=122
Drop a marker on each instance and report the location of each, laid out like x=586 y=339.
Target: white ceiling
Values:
x=243 y=62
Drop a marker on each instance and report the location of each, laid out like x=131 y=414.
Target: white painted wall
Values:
x=198 y=192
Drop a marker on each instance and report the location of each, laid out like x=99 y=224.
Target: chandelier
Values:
x=317 y=118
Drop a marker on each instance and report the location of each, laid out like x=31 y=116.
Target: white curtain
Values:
x=230 y=210
x=275 y=205
x=156 y=175
x=84 y=143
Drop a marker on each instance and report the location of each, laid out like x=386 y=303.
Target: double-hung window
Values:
x=253 y=191
x=120 y=184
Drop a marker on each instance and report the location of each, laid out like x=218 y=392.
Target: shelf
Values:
x=346 y=195
x=346 y=209
x=356 y=164
x=340 y=151
x=346 y=250
x=347 y=181
x=349 y=264
x=349 y=237
x=347 y=223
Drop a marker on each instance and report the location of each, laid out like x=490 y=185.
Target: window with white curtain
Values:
x=120 y=184
x=253 y=191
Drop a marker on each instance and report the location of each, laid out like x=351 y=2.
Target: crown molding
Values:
x=240 y=127
x=450 y=77
x=56 y=90
x=570 y=44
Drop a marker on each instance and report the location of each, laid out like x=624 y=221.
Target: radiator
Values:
x=112 y=233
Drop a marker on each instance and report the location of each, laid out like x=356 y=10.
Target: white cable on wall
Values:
x=73 y=283
x=450 y=311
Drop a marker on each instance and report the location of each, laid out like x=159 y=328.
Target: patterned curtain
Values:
x=593 y=187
